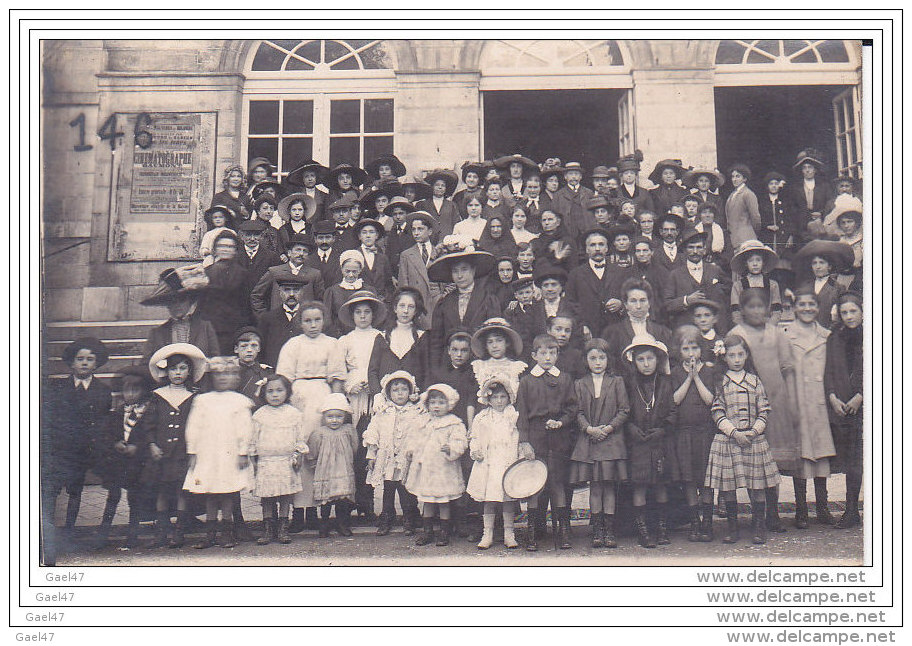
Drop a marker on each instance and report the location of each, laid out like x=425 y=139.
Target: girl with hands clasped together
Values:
x=434 y=472
x=740 y=456
x=695 y=429
x=494 y=446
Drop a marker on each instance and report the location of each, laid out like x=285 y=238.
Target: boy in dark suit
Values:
x=254 y=256
x=325 y=258
x=377 y=270
x=75 y=413
x=547 y=405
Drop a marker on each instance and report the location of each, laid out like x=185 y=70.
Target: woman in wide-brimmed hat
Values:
x=667 y=190
x=443 y=184
x=473 y=176
x=471 y=303
x=344 y=179
x=515 y=168
x=385 y=167
x=415 y=189
x=819 y=263
x=742 y=211
x=628 y=168
x=812 y=191
x=296 y=211
x=704 y=184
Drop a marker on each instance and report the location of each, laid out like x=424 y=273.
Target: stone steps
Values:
x=124 y=340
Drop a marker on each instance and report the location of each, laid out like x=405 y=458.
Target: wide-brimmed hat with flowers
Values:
x=498 y=324
x=176 y=283
x=810 y=155
x=158 y=362
x=453 y=249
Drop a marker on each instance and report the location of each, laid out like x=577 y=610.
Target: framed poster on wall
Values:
x=163 y=166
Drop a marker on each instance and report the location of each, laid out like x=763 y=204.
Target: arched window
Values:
x=321 y=55
x=781 y=52
x=551 y=53
x=330 y=100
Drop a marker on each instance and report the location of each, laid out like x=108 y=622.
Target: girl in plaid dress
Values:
x=740 y=455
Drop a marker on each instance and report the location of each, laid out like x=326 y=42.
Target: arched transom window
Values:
x=321 y=55
x=781 y=52
x=551 y=53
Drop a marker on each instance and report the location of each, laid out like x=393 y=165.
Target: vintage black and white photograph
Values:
x=415 y=302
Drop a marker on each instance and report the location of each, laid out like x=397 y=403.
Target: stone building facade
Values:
x=435 y=103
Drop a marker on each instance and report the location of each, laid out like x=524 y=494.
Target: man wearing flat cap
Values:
x=254 y=256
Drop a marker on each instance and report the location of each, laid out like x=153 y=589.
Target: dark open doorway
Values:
x=766 y=127
x=574 y=125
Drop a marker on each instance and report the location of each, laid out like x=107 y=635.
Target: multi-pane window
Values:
x=846 y=107
x=781 y=52
x=331 y=130
x=334 y=103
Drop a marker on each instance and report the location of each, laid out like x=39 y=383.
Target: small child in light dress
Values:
x=332 y=454
x=277 y=448
x=395 y=415
x=740 y=456
x=494 y=446
x=434 y=473
x=496 y=345
x=218 y=437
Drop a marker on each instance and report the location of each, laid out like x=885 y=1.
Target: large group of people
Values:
x=356 y=329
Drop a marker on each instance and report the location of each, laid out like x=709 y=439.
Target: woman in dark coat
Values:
x=225 y=303
x=403 y=345
x=667 y=190
x=496 y=238
x=843 y=385
x=232 y=194
x=557 y=247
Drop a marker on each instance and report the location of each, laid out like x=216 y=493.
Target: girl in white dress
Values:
x=355 y=348
x=495 y=344
x=218 y=437
x=494 y=446
x=277 y=448
x=313 y=366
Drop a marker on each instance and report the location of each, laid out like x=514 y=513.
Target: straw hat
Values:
x=310 y=206
x=362 y=296
x=648 y=341
x=525 y=478
x=748 y=248
x=501 y=325
x=178 y=283
x=158 y=362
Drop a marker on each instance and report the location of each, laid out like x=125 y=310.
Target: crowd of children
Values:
x=654 y=346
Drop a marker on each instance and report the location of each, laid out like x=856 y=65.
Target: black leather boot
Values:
x=343 y=519
x=662 y=524
x=694 y=535
x=563 y=528
x=773 y=522
x=608 y=535
x=643 y=536
x=211 y=533
x=731 y=524
x=532 y=531
x=269 y=532
x=383 y=528
x=282 y=532
x=443 y=535
x=410 y=522
x=824 y=517
x=758 y=524
x=180 y=529
x=801 y=505
x=595 y=528
x=427 y=533
x=162 y=528
x=706 y=525
x=298 y=520
x=229 y=534
x=325 y=510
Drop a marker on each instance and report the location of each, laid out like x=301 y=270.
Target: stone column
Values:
x=675 y=117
